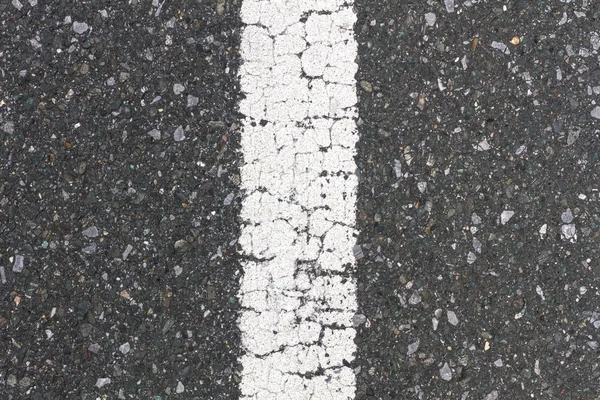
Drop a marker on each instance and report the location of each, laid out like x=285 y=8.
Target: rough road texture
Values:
x=116 y=167
x=478 y=208
x=298 y=141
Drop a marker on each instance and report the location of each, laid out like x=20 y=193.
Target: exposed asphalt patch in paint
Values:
x=478 y=200
x=118 y=199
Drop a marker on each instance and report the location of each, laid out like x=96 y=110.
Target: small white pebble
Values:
x=18 y=266
x=415 y=298
x=540 y=292
x=500 y=46
x=483 y=145
x=192 y=101
x=90 y=232
x=178 y=88
x=506 y=216
x=493 y=395
x=413 y=347
x=430 y=19
x=178 y=270
x=471 y=257
x=154 y=134
x=446 y=372
x=102 y=382
x=452 y=318
x=568 y=232
x=179 y=135
x=567 y=216
x=449 y=5
x=124 y=348
x=80 y=27
x=127 y=251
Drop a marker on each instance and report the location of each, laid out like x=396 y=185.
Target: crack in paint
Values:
x=298 y=294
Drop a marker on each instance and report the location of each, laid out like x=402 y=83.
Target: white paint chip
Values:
x=298 y=79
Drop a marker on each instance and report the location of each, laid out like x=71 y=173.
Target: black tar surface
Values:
x=543 y=347
x=75 y=153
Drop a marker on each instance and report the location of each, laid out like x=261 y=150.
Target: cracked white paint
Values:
x=297 y=293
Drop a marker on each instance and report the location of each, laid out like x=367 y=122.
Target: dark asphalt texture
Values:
x=406 y=235
x=128 y=241
x=75 y=153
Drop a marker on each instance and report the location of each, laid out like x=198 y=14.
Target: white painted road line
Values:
x=298 y=294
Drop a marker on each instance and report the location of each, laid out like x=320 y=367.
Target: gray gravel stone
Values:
x=80 y=27
x=192 y=101
x=413 y=347
x=358 y=320
x=430 y=19
x=154 y=134
x=505 y=216
x=18 y=265
x=567 y=216
x=124 y=348
x=446 y=372
x=178 y=88
x=94 y=348
x=452 y=318
x=101 y=382
x=179 y=135
x=90 y=232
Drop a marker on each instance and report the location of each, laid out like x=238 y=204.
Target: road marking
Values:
x=298 y=294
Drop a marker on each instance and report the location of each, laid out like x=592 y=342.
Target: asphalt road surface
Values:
x=423 y=221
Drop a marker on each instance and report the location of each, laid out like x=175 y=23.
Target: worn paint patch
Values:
x=298 y=294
